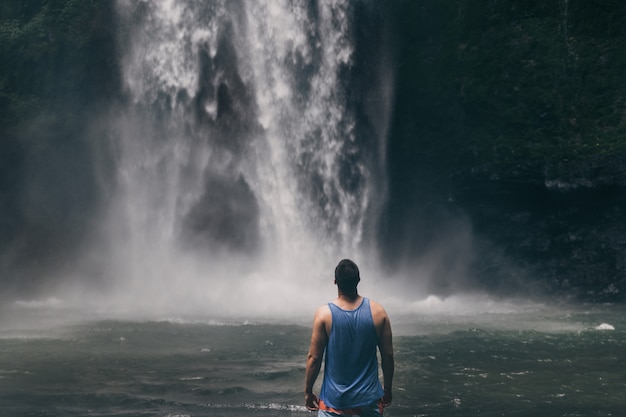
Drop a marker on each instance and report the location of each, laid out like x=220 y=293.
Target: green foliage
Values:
x=509 y=89
x=49 y=57
x=57 y=71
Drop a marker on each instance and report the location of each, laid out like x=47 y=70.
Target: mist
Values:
x=245 y=157
x=237 y=153
x=237 y=169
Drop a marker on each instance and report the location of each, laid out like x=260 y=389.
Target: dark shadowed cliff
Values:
x=512 y=116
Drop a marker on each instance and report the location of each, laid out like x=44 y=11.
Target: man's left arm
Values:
x=314 y=358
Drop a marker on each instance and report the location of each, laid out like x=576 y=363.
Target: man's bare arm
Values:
x=319 y=337
x=385 y=345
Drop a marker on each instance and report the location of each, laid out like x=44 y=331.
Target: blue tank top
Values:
x=351 y=364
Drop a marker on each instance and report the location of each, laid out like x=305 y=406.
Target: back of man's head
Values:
x=347 y=276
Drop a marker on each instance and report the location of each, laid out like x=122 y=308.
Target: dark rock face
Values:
x=561 y=241
x=226 y=216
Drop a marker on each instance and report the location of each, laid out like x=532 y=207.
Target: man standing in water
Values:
x=349 y=329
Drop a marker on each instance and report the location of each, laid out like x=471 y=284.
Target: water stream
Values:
x=244 y=164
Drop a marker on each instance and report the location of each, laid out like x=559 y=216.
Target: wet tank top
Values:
x=351 y=364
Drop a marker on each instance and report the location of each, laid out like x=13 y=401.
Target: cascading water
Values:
x=242 y=176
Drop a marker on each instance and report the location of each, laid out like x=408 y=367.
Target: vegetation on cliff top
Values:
x=529 y=90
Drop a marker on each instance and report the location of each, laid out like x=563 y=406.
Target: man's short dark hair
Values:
x=347 y=276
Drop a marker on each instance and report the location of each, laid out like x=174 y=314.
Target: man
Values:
x=349 y=329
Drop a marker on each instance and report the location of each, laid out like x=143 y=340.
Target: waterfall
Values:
x=242 y=161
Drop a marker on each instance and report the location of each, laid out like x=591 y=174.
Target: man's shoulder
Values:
x=376 y=305
x=323 y=311
x=378 y=311
x=323 y=318
x=324 y=307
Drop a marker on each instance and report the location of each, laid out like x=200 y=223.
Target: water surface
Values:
x=543 y=363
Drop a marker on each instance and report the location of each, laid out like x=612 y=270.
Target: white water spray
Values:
x=241 y=177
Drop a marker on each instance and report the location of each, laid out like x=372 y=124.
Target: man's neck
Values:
x=348 y=301
x=348 y=297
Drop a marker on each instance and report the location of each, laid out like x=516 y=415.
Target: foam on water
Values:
x=270 y=406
